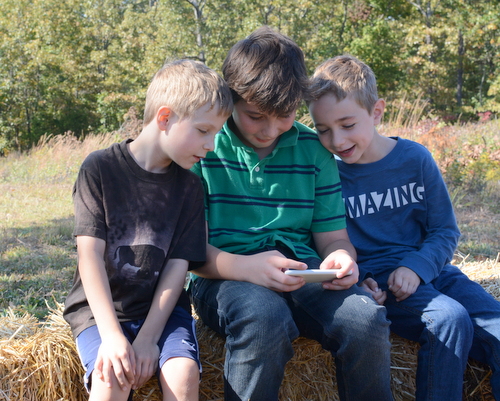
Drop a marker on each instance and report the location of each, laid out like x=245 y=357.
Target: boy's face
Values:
x=347 y=129
x=259 y=130
x=188 y=140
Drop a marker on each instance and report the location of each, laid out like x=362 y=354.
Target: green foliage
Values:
x=381 y=58
x=79 y=65
x=476 y=166
x=110 y=107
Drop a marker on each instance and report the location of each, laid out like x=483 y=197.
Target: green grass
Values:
x=36 y=265
x=37 y=250
x=36 y=245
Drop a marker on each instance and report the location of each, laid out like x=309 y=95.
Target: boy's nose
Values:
x=272 y=132
x=209 y=144
x=337 y=140
x=276 y=127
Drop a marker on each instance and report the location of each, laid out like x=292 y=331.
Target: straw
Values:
x=39 y=362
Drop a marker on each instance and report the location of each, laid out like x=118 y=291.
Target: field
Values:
x=37 y=252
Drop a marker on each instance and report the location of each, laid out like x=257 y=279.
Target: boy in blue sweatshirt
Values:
x=401 y=221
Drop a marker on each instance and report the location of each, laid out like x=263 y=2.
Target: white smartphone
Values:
x=315 y=275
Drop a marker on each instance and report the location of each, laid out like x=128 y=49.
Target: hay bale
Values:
x=310 y=374
x=39 y=362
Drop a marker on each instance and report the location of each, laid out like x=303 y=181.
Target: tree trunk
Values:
x=460 y=69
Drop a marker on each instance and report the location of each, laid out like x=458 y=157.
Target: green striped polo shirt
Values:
x=277 y=201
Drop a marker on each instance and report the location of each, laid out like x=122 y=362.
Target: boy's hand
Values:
x=146 y=361
x=403 y=282
x=371 y=286
x=341 y=259
x=267 y=271
x=116 y=357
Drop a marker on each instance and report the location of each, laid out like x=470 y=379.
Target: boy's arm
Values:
x=264 y=269
x=337 y=252
x=116 y=355
x=441 y=230
x=165 y=298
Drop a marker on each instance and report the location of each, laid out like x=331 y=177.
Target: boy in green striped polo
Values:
x=273 y=203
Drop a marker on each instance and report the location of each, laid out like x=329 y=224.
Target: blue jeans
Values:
x=452 y=318
x=260 y=325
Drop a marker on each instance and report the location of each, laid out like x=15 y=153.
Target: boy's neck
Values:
x=145 y=153
x=380 y=147
x=264 y=152
x=384 y=146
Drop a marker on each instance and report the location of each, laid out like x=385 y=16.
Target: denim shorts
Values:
x=177 y=340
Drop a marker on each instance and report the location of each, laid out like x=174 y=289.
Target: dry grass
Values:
x=38 y=361
x=480 y=228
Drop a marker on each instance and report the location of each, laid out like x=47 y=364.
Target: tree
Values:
x=80 y=65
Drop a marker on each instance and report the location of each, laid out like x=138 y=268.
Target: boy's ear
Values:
x=378 y=110
x=162 y=117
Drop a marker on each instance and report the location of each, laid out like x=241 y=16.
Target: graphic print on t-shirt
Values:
x=373 y=202
x=138 y=262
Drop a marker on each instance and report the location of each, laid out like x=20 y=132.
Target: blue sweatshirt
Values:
x=399 y=213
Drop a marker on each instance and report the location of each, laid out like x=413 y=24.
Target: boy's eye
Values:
x=349 y=126
x=202 y=131
x=254 y=117
x=321 y=131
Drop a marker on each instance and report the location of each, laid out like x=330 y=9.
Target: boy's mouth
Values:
x=264 y=140
x=347 y=152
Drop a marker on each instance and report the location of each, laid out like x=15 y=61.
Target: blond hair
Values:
x=345 y=75
x=185 y=86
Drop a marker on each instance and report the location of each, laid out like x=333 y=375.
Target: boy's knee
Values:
x=462 y=320
x=180 y=379
x=451 y=319
x=180 y=370
x=363 y=317
x=99 y=390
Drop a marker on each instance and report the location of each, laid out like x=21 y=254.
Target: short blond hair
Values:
x=345 y=76
x=185 y=86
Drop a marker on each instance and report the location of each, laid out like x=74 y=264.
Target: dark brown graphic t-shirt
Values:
x=145 y=218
